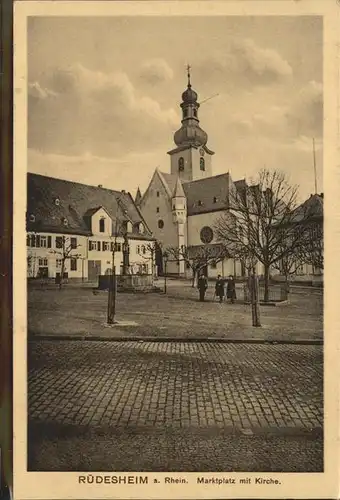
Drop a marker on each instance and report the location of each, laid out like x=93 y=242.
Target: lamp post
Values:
x=255 y=299
x=126 y=254
x=165 y=257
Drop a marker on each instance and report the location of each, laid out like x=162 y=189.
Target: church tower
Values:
x=191 y=159
x=179 y=214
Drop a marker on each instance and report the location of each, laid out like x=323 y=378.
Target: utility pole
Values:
x=314 y=163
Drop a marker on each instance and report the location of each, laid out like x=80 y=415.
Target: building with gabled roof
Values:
x=88 y=221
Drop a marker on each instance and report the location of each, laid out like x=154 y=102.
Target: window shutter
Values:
x=49 y=241
x=33 y=240
x=28 y=240
x=98 y=243
x=90 y=245
x=37 y=241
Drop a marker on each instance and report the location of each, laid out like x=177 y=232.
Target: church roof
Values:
x=203 y=195
x=53 y=201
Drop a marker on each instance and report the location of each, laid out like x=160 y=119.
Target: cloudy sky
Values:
x=104 y=95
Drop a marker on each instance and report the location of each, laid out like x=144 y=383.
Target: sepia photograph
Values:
x=173 y=185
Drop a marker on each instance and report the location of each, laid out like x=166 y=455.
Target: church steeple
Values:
x=190 y=133
x=138 y=197
x=191 y=159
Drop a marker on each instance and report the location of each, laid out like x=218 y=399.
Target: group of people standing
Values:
x=220 y=286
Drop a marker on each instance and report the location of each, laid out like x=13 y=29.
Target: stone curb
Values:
x=37 y=338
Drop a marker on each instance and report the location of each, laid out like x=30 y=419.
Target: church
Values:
x=181 y=207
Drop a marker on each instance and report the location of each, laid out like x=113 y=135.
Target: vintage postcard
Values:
x=175 y=249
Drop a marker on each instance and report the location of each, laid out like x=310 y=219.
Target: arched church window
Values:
x=160 y=224
x=185 y=113
x=181 y=164
x=202 y=164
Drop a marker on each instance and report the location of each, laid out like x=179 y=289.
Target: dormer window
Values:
x=57 y=202
x=202 y=164
x=32 y=218
x=181 y=164
x=102 y=225
x=215 y=199
x=128 y=227
x=141 y=228
x=65 y=221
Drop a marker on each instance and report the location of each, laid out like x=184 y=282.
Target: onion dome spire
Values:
x=190 y=134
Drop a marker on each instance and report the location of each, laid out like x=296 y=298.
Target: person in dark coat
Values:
x=202 y=285
x=219 y=288
x=231 y=289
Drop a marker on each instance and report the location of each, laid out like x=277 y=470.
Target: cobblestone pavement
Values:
x=176 y=385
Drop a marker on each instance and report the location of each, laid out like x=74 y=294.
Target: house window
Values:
x=157 y=209
x=59 y=242
x=43 y=241
x=160 y=224
x=213 y=265
x=102 y=225
x=73 y=243
x=73 y=264
x=138 y=249
x=93 y=245
x=215 y=199
x=58 y=263
x=202 y=164
x=43 y=262
x=157 y=194
x=106 y=246
x=143 y=249
x=118 y=247
x=181 y=164
x=31 y=240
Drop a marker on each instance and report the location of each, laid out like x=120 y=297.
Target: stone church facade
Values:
x=181 y=207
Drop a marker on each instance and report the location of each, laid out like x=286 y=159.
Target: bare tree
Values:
x=291 y=261
x=150 y=255
x=66 y=252
x=198 y=257
x=313 y=250
x=259 y=223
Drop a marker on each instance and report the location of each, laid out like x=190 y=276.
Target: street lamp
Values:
x=165 y=257
x=126 y=254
